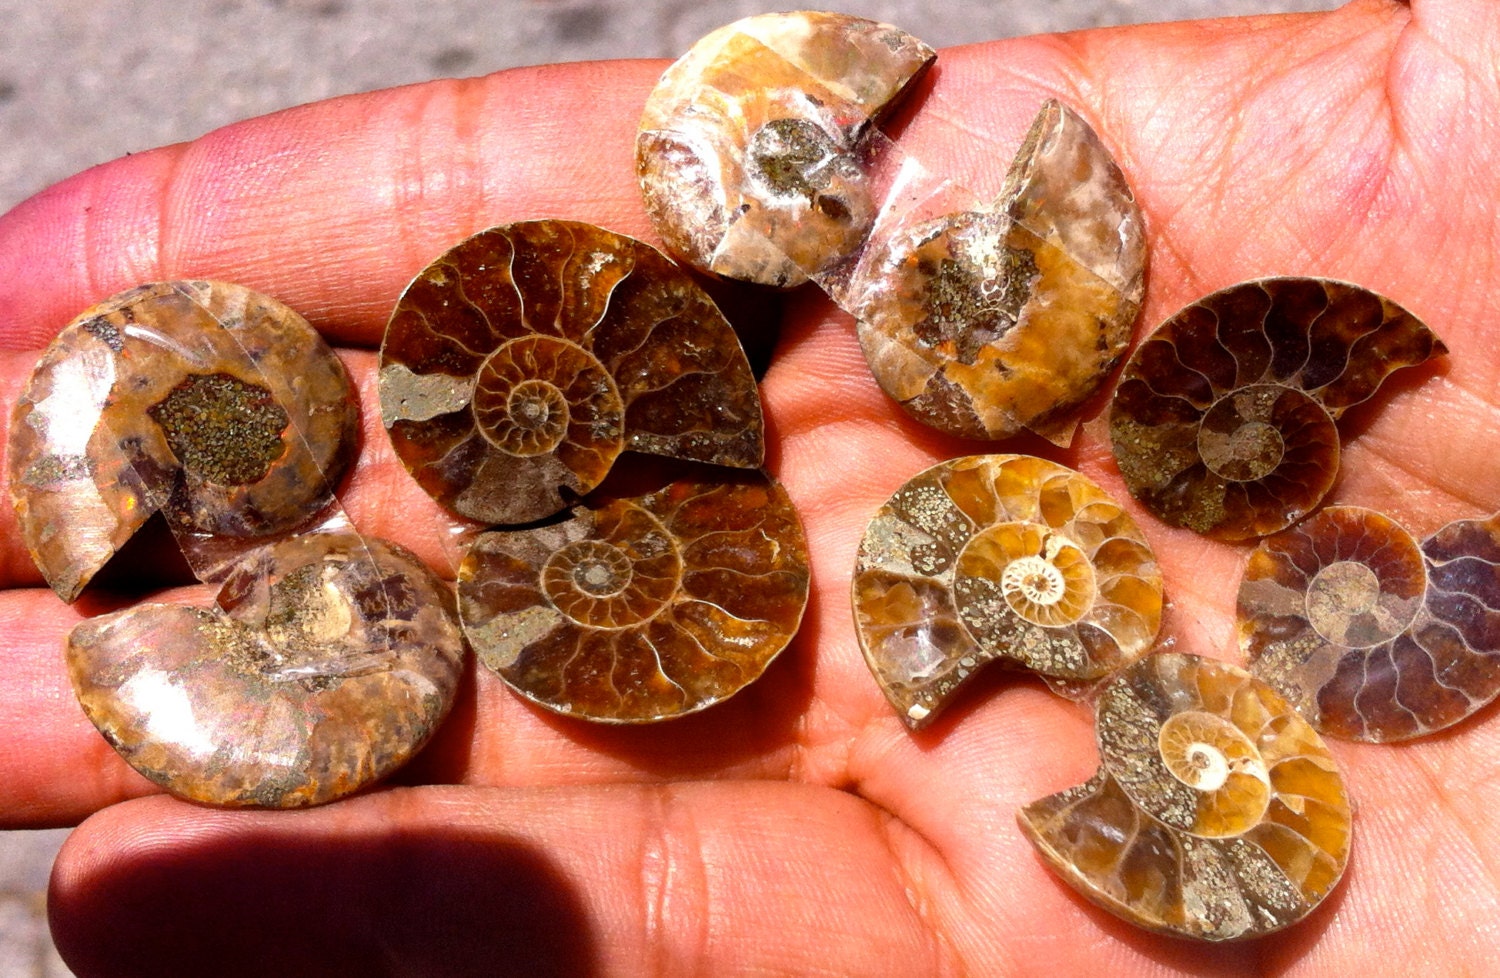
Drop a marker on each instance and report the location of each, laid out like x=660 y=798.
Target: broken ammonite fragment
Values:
x=1217 y=812
x=330 y=661
x=1224 y=419
x=1000 y=557
x=987 y=322
x=642 y=608
x=750 y=149
x=1370 y=635
x=219 y=408
x=520 y=363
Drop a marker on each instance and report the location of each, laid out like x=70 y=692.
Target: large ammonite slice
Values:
x=750 y=147
x=1217 y=813
x=1006 y=557
x=518 y=365
x=644 y=608
x=1224 y=420
x=218 y=407
x=1371 y=636
x=990 y=321
x=330 y=661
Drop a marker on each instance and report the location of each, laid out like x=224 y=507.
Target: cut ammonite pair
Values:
x=515 y=370
x=331 y=657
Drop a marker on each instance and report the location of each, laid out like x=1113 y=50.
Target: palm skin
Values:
x=798 y=829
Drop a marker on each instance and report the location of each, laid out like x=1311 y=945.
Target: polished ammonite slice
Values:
x=751 y=147
x=985 y=322
x=519 y=365
x=218 y=407
x=1217 y=812
x=641 y=608
x=329 y=662
x=1005 y=558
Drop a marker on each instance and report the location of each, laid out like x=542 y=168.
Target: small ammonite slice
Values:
x=644 y=608
x=1000 y=557
x=750 y=149
x=986 y=322
x=220 y=408
x=330 y=661
x=1224 y=419
x=1370 y=635
x=1217 y=812
x=520 y=363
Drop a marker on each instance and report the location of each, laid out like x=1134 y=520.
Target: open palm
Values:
x=798 y=829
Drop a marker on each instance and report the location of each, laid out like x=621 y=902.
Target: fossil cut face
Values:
x=1217 y=812
x=643 y=608
x=518 y=365
x=986 y=322
x=217 y=407
x=1224 y=419
x=751 y=149
x=329 y=662
x=1371 y=635
x=1000 y=557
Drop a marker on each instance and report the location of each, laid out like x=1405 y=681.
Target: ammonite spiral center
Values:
x=1032 y=580
x=1236 y=440
x=1343 y=604
x=1040 y=575
x=608 y=585
x=1211 y=755
x=532 y=393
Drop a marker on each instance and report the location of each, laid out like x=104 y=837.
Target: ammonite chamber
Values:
x=520 y=363
x=1369 y=634
x=1224 y=419
x=329 y=662
x=1217 y=812
x=219 y=408
x=750 y=149
x=987 y=322
x=1000 y=557
x=641 y=608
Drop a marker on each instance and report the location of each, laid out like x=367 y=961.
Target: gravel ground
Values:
x=85 y=81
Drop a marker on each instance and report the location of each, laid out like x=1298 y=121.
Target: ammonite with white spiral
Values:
x=1000 y=557
x=216 y=406
x=643 y=608
x=750 y=152
x=1369 y=634
x=1224 y=419
x=518 y=365
x=330 y=660
x=987 y=322
x=1217 y=812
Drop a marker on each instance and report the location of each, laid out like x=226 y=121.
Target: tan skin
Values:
x=798 y=829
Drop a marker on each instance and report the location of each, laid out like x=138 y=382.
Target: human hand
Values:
x=798 y=828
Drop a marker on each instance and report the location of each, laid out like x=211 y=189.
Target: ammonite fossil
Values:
x=643 y=608
x=986 y=322
x=1000 y=557
x=220 y=408
x=330 y=660
x=518 y=365
x=1217 y=812
x=1224 y=419
x=750 y=147
x=1371 y=636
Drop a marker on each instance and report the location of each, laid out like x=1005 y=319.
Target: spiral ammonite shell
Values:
x=1217 y=812
x=1224 y=419
x=518 y=365
x=1370 y=635
x=1006 y=557
x=220 y=408
x=644 y=608
x=749 y=152
x=986 y=322
x=330 y=661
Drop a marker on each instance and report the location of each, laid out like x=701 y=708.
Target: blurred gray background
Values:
x=85 y=81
